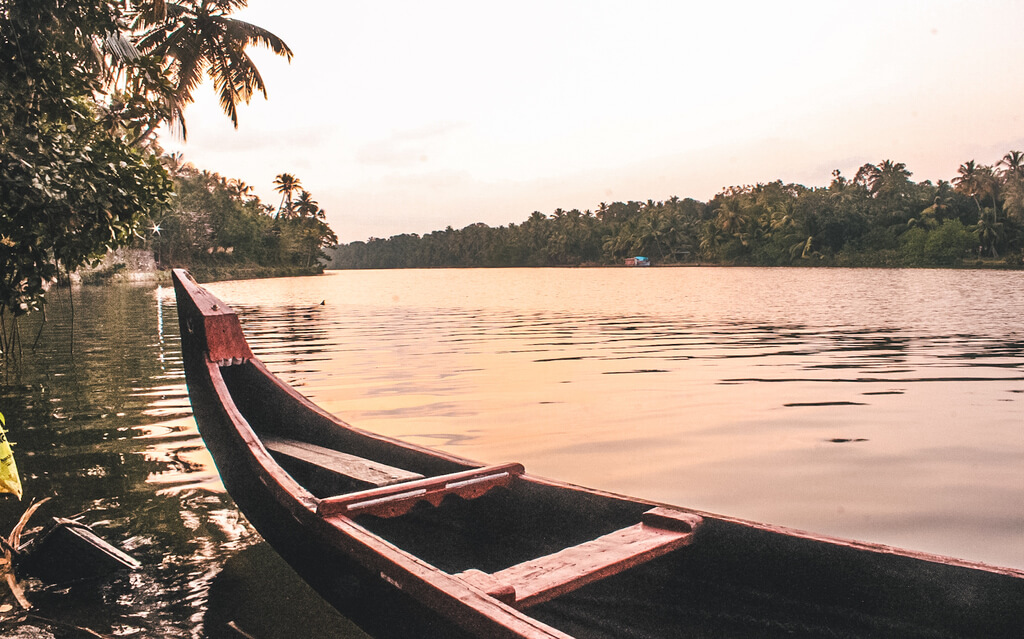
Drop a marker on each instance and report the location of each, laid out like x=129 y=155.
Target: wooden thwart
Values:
x=661 y=531
x=398 y=499
x=357 y=468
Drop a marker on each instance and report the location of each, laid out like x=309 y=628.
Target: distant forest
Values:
x=880 y=217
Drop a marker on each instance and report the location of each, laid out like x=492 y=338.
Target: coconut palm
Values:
x=1013 y=200
x=1013 y=165
x=731 y=218
x=712 y=240
x=239 y=189
x=305 y=205
x=990 y=234
x=194 y=37
x=176 y=165
x=617 y=246
x=286 y=184
x=990 y=186
x=977 y=181
x=804 y=249
x=970 y=182
x=1012 y=176
x=888 y=180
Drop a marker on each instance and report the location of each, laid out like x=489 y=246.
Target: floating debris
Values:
x=71 y=551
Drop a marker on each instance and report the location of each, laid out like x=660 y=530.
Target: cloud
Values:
x=389 y=154
x=407 y=148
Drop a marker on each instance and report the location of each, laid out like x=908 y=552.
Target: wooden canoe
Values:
x=412 y=542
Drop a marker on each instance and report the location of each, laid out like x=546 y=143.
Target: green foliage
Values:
x=949 y=244
x=214 y=225
x=879 y=218
x=946 y=245
x=84 y=85
x=196 y=36
x=912 y=246
x=72 y=183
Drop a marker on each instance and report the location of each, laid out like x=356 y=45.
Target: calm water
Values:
x=883 y=405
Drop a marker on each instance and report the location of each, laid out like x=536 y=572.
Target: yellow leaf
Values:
x=10 y=480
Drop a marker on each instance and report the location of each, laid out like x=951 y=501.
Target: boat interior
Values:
x=659 y=571
x=464 y=519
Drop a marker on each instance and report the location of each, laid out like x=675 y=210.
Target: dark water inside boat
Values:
x=878 y=405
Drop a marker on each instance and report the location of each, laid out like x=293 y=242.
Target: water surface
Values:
x=882 y=405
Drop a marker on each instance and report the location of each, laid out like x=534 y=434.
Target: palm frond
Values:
x=149 y=13
x=224 y=82
x=246 y=76
x=197 y=38
x=120 y=47
x=229 y=6
x=239 y=30
x=152 y=40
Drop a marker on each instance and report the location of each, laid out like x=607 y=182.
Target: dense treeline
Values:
x=880 y=217
x=216 y=222
x=84 y=88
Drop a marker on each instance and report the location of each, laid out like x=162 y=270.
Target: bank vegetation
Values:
x=879 y=217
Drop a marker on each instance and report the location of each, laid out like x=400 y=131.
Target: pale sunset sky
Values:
x=409 y=116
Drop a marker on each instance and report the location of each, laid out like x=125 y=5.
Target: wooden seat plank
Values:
x=393 y=501
x=358 y=468
x=661 y=531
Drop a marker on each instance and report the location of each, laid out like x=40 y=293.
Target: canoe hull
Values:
x=351 y=587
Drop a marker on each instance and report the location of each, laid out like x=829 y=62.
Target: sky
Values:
x=409 y=116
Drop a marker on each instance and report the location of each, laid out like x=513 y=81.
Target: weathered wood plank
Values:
x=392 y=501
x=358 y=468
x=538 y=580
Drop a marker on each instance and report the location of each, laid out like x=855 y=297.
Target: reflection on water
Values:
x=256 y=580
x=879 y=405
x=876 y=404
x=104 y=427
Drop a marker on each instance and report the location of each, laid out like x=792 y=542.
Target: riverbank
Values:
x=130 y=266
x=992 y=264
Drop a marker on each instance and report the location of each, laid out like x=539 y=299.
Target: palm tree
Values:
x=990 y=234
x=239 y=189
x=976 y=181
x=1012 y=175
x=1013 y=199
x=618 y=246
x=990 y=186
x=286 y=184
x=1013 y=163
x=968 y=182
x=306 y=205
x=931 y=216
x=660 y=227
x=197 y=36
x=712 y=240
x=176 y=165
x=804 y=249
x=888 y=180
x=730 y=218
